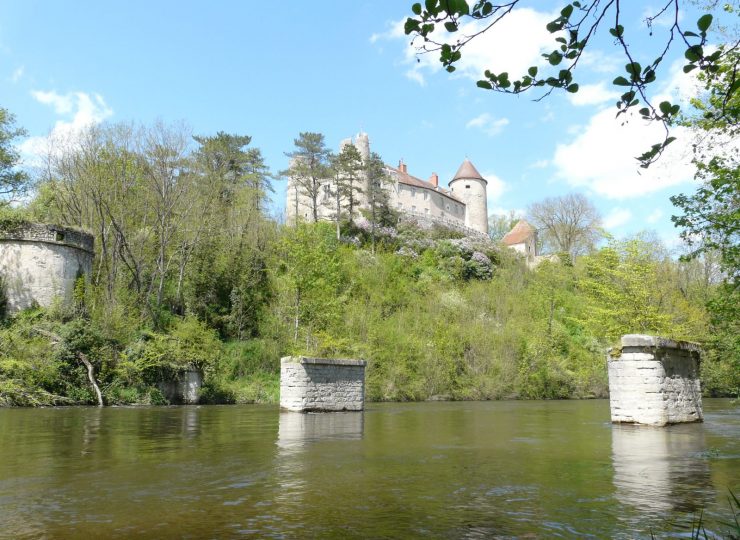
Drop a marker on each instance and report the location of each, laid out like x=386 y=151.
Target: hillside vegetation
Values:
x=190 y=272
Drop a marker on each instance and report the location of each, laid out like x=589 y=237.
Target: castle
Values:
x=463 y=206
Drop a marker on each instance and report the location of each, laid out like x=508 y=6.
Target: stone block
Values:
x=322 y=384
x=654 y=381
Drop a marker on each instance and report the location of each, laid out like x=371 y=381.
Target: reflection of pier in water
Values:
x=297 y=430
x=661 y=469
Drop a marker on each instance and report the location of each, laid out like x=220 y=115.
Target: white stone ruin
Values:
x=322 y=384
x=654 y=381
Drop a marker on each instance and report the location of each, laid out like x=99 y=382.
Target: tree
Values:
x=377 y=195
x=577 y=25
x=569 y=224
x=620 y=285
x=308 y=169
x=349 y=162
x=710 y=218
x=500 y=224
x=12 y=181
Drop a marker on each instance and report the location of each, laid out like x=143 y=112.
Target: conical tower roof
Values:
x=468 y=171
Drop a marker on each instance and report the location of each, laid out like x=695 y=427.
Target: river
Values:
x=529 y=469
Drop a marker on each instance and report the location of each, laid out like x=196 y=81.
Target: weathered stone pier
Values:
x=654 y=381
x=322 y=384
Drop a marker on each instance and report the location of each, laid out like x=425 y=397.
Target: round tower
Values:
x=471 y=188
x=362 y=143
x=39 y=263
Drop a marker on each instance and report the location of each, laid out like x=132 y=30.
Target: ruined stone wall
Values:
x=39 y=263
x=654 y=381
x=321 y=384
x=183 y=389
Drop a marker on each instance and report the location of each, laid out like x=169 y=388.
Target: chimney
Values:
x=434 y=179
x=402 y=166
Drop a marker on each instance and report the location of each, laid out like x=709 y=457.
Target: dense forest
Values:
x=192 y=272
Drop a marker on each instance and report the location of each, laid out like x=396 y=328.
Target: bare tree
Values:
x=569 y=224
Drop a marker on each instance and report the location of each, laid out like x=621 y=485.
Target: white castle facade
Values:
x=462 y=206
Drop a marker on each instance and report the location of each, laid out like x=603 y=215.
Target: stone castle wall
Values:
x=321 y=384
x=39 y=263
x=654 y=381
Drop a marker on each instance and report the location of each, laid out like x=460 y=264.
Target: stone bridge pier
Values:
x=654 y=381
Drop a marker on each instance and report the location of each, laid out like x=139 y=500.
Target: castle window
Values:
x=467 y=186
x=413 y=192
x=426 y=211
x=413 y=208
x=59 y=236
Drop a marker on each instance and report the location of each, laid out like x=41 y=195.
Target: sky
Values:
x=272 y=70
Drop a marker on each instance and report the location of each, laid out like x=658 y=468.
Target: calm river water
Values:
x=440 y=470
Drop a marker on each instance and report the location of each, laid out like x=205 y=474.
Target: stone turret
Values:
x=471 y=188
x=362 y=143
x=39 y=263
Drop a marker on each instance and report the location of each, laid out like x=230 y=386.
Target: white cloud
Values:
x=394 y=30
x=654 y=216
x=488 y=124
x=81 y=111
x=491 y=50
x=599 y=62
x=592 y=94
x=602 y=157
x=617 y=217
x=495 y=190
x=539 y=164
x=18 y=74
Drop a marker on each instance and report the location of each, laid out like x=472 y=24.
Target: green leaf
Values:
x=416 y=8
x=633 y=68
x=567 y=11
x=451 y=26
x=704 y=22
x=665 y=107
x=532 y=71
x=618 y=31
x=573 y=88
x=645 y=111
x=554 y=26
x=694 y=53
x=411 y=25
x=689 y=67
x=621 y=81
x=487 y=9
x=690 y=34
x=431 y=6
x=555 y=58
x=485 y=84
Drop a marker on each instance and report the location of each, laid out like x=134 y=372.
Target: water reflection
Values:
x=658 y=470
x=296 y=430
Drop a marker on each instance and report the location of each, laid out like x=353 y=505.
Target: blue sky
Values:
x=272 y=70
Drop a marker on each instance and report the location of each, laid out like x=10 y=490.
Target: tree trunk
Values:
x=91 y=377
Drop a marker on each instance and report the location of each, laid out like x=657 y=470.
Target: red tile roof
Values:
x=406 y=178
x=521 y=231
